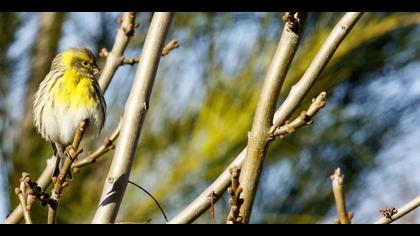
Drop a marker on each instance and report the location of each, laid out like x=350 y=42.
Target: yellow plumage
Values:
x=74 y=90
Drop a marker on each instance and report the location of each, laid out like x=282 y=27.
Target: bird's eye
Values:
x=85 y=63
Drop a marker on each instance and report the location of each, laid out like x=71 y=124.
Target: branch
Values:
x=134 y=223
x=198 y=206
x=301 y=88
x=170 y=46
x=115 y=57
x=35 y=191
x=120 y=44
x=21 y=193
x=71 y=154
x=219 y=186
x=259 y=137
x=305 y=117
x=402 y=211
x=337 y=180
x=165 y=51
x=130 y=61
x=134 y=114
x=212 y=196
x=43 y=182
x=107 y=145
x=235 y=201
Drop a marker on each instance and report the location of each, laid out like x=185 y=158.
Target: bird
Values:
x=68 y=95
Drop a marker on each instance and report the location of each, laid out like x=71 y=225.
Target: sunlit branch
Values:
x=402 y=211
x=337 y=180
x=71 y=154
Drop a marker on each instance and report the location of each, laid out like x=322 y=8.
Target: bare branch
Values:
x=235 y=201
x=118 y=175
x=402 y=211
x=259 y=137
x=134 y=223
x=60 y=183
x=43 y=182
x=388 y=212
x=106 y=146
x=165 y=51
x=337 y=180
x=219 y=186
x=35 y=191
x=115 y=56
x=170 y=46
x=212 y=196
x=301 y=88
x=130 y=61
x=305 y=117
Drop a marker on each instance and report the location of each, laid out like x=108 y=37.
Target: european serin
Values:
x=68 y=95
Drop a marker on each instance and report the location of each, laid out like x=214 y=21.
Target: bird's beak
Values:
x=96 y=69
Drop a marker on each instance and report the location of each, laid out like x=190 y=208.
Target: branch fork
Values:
x=60 y=183
x=23 y=196
x=171 y=45
x=35 y=191
x=107 y=145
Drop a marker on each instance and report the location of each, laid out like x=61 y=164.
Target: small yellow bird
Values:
x=68 y=95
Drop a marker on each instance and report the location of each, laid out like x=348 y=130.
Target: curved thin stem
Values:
x=150 y=195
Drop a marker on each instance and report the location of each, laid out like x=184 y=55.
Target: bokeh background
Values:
x=203 y=104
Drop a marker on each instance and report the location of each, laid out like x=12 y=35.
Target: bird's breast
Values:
x=74 y=91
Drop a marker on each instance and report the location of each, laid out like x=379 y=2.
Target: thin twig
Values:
x=111 y=65
x=115 y=56
x=337 y=180
x=134 y=223
x=301 y=88
x=305 y=117
x=35 y=192
x=170 y=46
x=71 y=155
x=402 y=211
x=235 y=201
x=21 y=193
x=130 y=61
x=388 y=212
x=212 y=196
x=150 y=195
x=107 y=145
x=134 y=115
x=219 y=186
x=165 y=51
